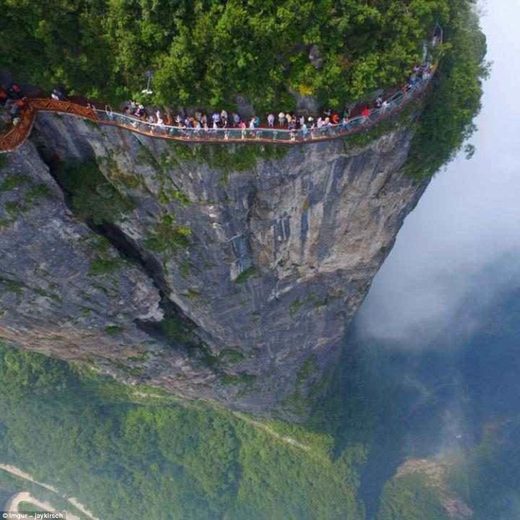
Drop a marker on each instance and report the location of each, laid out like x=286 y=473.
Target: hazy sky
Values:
x=467 y=225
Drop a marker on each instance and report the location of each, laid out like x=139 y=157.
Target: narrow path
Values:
x=17 y=472
x=257 y=424
x=264 y=427
x=13 y=505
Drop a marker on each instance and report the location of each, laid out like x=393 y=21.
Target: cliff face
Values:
x=231 y=275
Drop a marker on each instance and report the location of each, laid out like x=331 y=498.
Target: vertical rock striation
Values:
x=257 y=259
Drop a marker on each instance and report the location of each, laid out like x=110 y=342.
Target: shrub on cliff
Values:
x=91 y=196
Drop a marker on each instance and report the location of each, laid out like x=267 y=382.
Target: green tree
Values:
x=206 y=52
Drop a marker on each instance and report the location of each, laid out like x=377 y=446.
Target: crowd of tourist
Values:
x=199 y=120
x=13 y=102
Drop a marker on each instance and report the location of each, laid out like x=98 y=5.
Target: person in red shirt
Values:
x=365 y=112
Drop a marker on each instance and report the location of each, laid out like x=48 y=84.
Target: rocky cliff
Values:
x=220 y=272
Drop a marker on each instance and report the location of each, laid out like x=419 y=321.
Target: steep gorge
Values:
x=213 y=271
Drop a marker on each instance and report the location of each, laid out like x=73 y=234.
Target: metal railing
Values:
x=393 y=105
x=353 y=125
x=17 y=135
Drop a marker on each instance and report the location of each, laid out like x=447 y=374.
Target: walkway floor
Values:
x=17 y=135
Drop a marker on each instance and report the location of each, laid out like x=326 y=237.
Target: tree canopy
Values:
x=447 y=120
x=206 y=52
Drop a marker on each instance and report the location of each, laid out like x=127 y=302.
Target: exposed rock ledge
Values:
x=308 y=231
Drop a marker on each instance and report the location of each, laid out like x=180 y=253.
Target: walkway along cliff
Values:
x=12 y=139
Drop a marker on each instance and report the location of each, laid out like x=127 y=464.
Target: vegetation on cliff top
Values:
x=205 y=52
x=443 y=122
x=447 y=120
